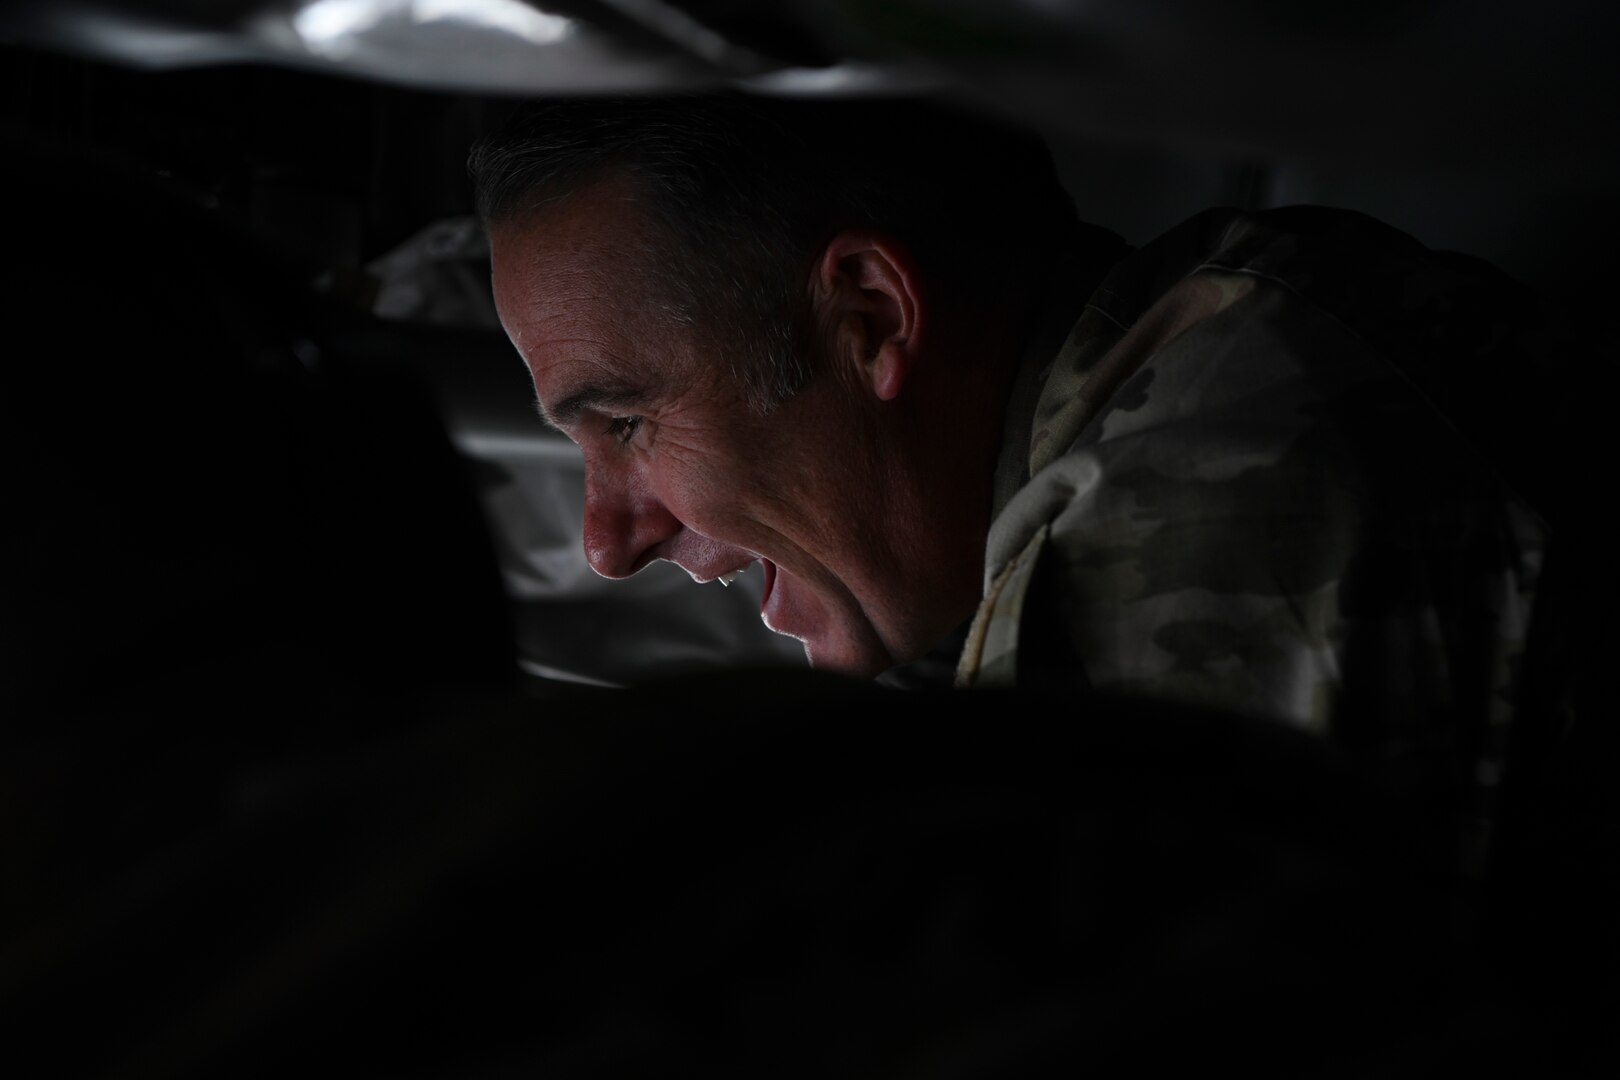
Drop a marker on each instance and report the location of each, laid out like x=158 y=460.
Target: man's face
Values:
x=677 y=466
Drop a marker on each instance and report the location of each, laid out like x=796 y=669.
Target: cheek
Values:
x=696 y=477
x=742 y=488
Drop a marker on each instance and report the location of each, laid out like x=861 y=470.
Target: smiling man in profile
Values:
x=1279 y=464
x=764 y=367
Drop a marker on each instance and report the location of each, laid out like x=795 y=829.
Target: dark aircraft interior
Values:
x=324 y=748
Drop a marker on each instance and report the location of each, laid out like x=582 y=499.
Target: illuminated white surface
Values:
x=333 y=28
x=511 y=16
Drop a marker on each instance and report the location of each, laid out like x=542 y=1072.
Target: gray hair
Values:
x=745 y=192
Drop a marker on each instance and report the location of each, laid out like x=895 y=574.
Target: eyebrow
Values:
x=566 y=411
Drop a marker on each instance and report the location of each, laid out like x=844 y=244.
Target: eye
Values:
x=624 y=428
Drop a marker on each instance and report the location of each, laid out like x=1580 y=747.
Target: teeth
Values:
x=727 y=579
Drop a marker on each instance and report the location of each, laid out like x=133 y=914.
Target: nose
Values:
x=624 y=522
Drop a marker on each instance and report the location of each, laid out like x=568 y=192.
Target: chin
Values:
x=828 y=622
x=848 y=657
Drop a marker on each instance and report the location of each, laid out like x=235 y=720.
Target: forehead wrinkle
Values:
x=597 y=256
x=550 y=277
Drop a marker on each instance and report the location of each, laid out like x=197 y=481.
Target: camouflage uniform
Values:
x=1235 y=486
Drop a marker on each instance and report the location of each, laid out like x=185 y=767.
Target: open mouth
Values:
x=770 y=583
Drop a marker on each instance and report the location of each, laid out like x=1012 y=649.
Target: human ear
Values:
x=871 y=301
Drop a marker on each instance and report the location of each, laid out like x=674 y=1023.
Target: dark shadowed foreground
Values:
x=770 y=875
